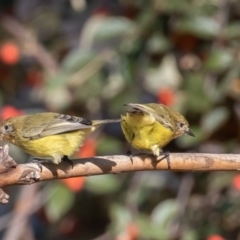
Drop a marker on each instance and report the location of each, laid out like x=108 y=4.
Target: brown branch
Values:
x=29 y=173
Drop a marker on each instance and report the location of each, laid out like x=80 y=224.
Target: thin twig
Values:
x=22 y=213
x=40 y=199
x=33 y=47
x=81 y=76
x=183 y=196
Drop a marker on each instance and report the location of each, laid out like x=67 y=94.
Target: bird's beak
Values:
x=190 y=133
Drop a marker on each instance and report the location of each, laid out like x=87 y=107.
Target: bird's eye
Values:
x=7 y=128
x=181 y=125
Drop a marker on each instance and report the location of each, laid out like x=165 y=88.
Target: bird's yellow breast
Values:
x=59 y=144
x=145 y=135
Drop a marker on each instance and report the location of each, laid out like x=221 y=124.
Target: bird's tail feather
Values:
x=105 y=121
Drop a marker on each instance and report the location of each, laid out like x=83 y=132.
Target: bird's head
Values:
x=182 y=126
x=7 y=130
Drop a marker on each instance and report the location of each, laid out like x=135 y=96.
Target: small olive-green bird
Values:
x=49 y=134
x=152 y=126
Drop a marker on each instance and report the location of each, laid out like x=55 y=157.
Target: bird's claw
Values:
x=66 y=159
x=38 y=163
x=129 y=153
x=165 y=156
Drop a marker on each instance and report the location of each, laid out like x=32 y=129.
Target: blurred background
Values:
x=87 y=58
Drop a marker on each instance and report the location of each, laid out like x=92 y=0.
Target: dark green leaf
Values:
x=215 y=119
x=104 y=184
x=60 y=202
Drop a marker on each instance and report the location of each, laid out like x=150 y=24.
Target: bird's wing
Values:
x=59 y=123
x=158 y=111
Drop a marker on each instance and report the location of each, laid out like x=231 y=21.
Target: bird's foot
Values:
x=129 y=153
x=165 y=156
x=66 y=159
x=38 y=162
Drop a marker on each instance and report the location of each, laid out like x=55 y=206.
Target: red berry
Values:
x=166 y=96
x=9 y=53
x=215 y=237
x=10 y=111
x=236 y=182
x=88 y=149
x=75 y=184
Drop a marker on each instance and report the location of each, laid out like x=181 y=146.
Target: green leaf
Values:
x=218 y=181
x=218 y=60
x=61 y=100
x=158 y=226
x=120 y=217
x=226 y=86
x=164 y=213
x=232 y=30
x=189 y=234
x=148 y=231
x=126 y=96
x=77 y=59
x=113 y=27
x=201 y=26
x=104 y=184
x=108 y=145
x=60 y=202
x=158 y=44
x=116 y=106
x=91 y=88
x=196 y=99
x=165 y=75
x=215 y=119
x=58 y=80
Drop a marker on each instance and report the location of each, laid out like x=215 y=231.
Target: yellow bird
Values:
x=49 y=134
x=152 y=126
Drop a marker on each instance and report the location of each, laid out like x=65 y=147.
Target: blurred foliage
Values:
x=94 y=56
